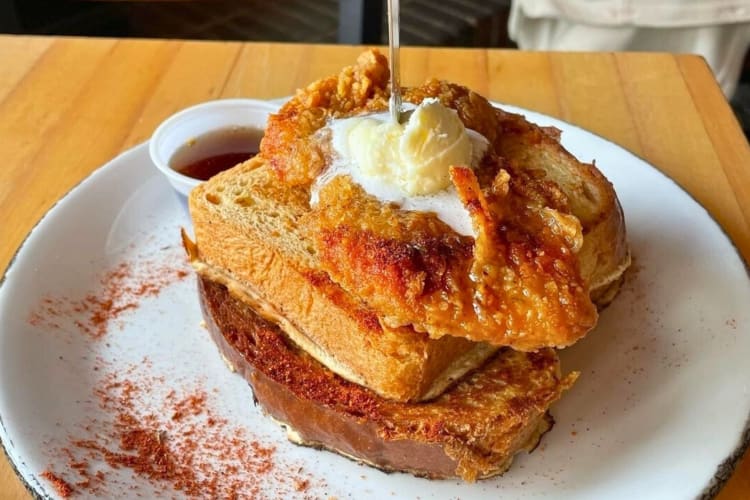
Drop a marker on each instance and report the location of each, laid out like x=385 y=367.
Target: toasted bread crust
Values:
x=472 y=431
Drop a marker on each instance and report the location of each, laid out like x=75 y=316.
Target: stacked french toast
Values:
x=391 y=334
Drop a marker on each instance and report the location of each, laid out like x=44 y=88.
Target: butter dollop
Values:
x=407 y=163
x=416 y=155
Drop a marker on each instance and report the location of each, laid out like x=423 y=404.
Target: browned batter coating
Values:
x=517 y=283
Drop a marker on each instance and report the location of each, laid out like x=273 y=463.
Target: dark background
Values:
x=424 y=22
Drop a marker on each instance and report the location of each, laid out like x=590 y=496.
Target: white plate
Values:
x=658 y=412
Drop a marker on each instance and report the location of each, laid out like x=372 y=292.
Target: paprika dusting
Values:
x=119 y=290
x=61 y=486
x=167 y=434
x=179 y=454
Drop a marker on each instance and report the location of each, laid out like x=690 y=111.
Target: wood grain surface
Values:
x=68 y=105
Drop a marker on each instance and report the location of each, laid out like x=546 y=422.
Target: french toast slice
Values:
x=471 y=431
x=249 y=238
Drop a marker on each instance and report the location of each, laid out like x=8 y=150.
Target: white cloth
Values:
x=718 y=30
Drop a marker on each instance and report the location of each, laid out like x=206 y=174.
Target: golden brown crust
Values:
x=419 y=273
x=288 y=143
x=519 y=284
x=472 y=431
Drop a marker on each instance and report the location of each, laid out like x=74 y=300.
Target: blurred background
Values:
x=424 y=22
x=717 y=29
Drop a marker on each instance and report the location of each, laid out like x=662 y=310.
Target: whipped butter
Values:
x=407 y=164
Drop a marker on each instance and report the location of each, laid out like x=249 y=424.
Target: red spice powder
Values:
x=176 y=442
x=183 y=454
x=89 y=480
x=61 y=486
x=120 y=289
x=171 y=443
x=302 y=485
x=192 y=405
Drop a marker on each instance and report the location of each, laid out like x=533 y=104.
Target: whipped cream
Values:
x=407 y=164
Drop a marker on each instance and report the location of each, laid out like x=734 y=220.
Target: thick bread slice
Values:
x=248 y=237
x=472 y=431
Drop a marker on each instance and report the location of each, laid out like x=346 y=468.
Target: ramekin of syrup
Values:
x=205 y=156
x=196 y=143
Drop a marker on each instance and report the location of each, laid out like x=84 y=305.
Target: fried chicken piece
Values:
x=518 y=283
x=289 y=143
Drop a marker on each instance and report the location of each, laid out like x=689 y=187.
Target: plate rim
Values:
x=724 y=470
x=33 y=485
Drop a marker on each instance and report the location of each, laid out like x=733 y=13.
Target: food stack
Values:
x=396 y=291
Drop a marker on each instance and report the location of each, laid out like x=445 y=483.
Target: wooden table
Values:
x=67 y=105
